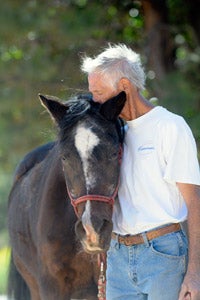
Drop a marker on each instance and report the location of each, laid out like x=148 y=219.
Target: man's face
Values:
x=100 y=89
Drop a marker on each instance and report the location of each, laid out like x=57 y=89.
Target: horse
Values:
x=60 y=205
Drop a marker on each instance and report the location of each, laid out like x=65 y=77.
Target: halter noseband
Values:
x=106 y=199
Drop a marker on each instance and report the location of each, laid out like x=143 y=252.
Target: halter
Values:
x=106 y=199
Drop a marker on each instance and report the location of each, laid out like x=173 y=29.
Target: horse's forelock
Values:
x=77 y=108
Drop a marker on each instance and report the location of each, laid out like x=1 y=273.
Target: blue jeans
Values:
x=153 y=270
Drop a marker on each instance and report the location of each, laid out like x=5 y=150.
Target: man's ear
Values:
x=56 y=109
x=124 y=84
x=113 y=107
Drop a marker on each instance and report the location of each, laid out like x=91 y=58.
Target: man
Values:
x=160 y=188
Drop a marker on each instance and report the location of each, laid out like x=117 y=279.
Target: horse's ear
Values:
x=56 y=109
x=113 y=107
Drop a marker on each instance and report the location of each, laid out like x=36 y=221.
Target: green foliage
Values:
x=4 y=263
x=180 y=97
x=177 y=12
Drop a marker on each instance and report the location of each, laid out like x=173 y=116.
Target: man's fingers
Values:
x=187 y=296
x=184 y=294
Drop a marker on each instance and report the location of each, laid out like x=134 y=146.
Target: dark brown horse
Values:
x=60 y=205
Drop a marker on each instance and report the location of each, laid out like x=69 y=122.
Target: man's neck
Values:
x=136 y=106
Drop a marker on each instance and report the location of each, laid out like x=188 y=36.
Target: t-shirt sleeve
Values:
x=180 y=153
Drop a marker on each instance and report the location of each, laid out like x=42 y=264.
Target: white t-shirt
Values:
x=159 y=150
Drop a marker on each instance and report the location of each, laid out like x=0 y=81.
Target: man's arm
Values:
x=190 y=289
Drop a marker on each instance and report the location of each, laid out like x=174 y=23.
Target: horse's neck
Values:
x=53 y=169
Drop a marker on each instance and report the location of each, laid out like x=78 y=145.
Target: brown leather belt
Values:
x=137 y=239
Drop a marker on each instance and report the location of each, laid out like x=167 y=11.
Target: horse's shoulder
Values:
x=32 y=158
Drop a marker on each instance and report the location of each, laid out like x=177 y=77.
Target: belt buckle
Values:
x=127 y=241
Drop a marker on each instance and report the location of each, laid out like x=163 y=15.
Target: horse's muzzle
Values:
x=94 y=241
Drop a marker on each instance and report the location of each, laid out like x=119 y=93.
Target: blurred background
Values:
x=41 y=45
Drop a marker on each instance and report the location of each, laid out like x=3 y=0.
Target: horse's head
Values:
x=90 y=143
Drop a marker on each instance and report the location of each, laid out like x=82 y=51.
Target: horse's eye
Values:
x=63 y=158
x=113 y=155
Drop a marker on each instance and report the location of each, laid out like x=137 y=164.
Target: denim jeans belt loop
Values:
x=137 y=239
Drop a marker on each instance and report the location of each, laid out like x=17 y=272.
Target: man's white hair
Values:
x=116 y=62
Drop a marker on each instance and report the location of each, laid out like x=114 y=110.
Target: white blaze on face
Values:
x=85 y=141
x=91 y=241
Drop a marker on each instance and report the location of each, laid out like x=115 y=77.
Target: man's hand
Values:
x=190 y=289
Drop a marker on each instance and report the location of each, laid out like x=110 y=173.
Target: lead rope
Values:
x=102 y=279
